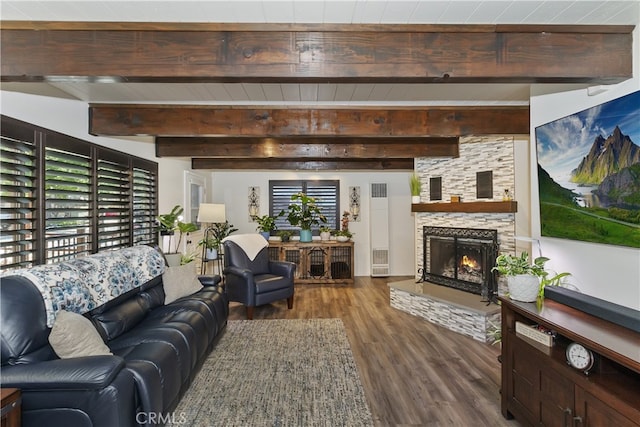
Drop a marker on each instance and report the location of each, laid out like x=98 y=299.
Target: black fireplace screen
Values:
x=461 y=258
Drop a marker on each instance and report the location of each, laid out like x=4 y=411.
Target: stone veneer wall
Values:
x=477 y=154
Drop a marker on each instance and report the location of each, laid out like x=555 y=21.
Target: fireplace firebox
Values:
x=461 y=258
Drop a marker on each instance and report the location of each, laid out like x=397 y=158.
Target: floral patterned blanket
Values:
x=82 y=284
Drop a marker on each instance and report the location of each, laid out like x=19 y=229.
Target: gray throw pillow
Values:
x=179 y=282
x=73 y=335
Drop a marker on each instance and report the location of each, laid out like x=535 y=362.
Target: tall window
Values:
x=63 y=197
x=327 y=194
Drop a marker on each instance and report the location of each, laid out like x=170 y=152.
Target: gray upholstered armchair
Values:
x=251 y=278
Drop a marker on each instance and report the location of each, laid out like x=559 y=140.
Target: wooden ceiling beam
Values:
x=301 y=148
x=327 y=54
x=298 y=164
x=206 y=120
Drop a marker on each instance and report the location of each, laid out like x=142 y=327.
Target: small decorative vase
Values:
x=212 y=254
x=325 y=235
x=415 y=199
x=305 y=236
x=523 y=287
x=265 y=234
x=342 y=239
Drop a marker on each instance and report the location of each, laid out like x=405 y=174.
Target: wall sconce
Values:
x=254 y=202
x=354 y=203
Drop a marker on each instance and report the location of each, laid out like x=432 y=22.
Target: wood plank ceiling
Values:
x=232 y=137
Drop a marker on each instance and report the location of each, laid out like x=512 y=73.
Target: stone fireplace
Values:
x=461 y=258
x=453 y=285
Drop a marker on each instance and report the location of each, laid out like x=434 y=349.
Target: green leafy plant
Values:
x=169 y=221
x=415 y=185
x=267 y=223
x=285 y=235
x=187 y=258
x=325 y=229
x=345 y=233
x=511 y=265
x=172 y=222
x=304 y=212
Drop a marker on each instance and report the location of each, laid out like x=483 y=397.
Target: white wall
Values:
x=71 y=117
x=231 y=188
x=604 y=271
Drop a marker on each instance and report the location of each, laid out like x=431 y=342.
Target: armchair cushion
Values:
x=179 y=282
x=73 y=335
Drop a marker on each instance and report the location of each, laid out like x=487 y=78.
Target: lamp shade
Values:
x=211 y=213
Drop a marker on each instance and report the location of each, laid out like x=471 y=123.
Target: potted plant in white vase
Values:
x=526 y=280
x=325 y=232
x=415 y=185
x=305 y=215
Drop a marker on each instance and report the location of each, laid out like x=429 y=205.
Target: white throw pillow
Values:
x=73 y=335
x=179 y=282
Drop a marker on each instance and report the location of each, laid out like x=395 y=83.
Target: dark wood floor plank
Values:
x=414 y=373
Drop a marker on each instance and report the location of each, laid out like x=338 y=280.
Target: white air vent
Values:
x=379 y=230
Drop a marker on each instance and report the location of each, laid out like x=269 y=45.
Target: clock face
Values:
x=579 y=357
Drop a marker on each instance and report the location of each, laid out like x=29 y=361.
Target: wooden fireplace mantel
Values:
x=510 y=206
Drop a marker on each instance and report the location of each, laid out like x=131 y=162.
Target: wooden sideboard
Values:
x=540 y=388
x=319 y=261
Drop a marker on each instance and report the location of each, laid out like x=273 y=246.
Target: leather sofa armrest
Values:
x=282 y=268
x=91 y=372
x=243 y=273
x=210 y=280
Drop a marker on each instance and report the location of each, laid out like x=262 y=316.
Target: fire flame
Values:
x=469 y=262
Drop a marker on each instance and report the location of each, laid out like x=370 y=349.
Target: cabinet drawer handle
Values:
x=577 y=421
x=567 y=421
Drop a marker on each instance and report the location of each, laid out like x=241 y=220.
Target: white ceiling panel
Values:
x=458 y=11
x=308 y=11
x=428 y=12
x=340 y=12
x=273 y=92
x=489 y=12
x=515 y=11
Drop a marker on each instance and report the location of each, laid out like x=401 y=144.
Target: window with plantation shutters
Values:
x=144 y=201
x=62 y=197
x=114 y=197
x=327 y=194
x=68 y=187
x=17 y=202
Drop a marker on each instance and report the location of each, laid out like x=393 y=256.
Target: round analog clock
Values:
x=579 y=357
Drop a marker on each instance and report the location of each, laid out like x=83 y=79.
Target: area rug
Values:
x=278 y=373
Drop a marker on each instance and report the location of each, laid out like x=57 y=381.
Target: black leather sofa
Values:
x=157 y=350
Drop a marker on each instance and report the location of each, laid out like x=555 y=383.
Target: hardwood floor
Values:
x=414 y=373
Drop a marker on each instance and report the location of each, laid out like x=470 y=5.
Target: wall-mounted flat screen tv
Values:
x=589 y=174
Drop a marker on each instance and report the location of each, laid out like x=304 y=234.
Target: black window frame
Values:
x=64 y=197
x=292 y=186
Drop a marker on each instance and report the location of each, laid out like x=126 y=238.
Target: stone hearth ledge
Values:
x=458 y=311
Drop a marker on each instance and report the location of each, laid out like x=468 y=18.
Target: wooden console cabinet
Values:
x=320 y=261
x=540 y=388
x=11 y=407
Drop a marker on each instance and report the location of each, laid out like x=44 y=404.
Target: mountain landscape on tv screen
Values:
x=593 y=197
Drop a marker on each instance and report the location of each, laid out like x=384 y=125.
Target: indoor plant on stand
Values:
x=169 y=224
x=219 y=231
x=305 y=213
